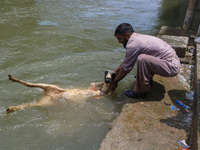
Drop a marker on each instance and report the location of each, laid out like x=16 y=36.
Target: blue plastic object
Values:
x=173 y=107
x=182 y=105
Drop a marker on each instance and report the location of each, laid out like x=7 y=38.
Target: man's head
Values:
x=123 y=33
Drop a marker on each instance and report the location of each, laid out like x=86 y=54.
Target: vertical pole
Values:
x=195 y=104
x=198 y=31
x=190 y=14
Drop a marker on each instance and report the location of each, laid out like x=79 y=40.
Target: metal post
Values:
x=190 y=14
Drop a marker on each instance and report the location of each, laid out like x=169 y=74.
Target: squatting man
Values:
x=152 y=56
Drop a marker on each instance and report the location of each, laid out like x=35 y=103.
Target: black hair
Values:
x=124 y=28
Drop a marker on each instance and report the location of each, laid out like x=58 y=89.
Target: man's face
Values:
x=122 y=39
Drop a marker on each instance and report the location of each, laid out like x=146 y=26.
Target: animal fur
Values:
x=53 y=93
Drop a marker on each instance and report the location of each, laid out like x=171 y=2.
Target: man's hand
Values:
x=120 y=75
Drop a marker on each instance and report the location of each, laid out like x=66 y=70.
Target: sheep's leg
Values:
x=45 y=101
x=14 y=108
x=47 y=87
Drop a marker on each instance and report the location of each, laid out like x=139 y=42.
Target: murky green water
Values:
x=70 y=44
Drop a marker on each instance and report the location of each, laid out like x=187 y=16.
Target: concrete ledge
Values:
x=165 y=30
x=151 y=123
x=179 y=43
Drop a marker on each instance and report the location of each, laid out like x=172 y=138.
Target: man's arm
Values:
x=120 y=75
x=118 y=69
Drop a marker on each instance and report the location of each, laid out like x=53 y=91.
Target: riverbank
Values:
x=158 y=122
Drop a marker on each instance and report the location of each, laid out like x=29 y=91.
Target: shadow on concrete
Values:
x=157 y=93
x=183 y=118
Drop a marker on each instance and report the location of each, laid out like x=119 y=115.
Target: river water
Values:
x=69 y=43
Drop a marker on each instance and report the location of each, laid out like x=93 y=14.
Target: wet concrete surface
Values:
x=151 y=124
x=147 y=124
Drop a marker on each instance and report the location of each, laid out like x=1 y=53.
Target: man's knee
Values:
x=141 y=58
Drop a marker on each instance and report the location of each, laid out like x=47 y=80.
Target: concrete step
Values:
x=179 y=43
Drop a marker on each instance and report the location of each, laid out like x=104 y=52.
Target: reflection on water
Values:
x=172 y=13
x=70 y=44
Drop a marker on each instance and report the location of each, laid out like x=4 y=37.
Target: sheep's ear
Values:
x=106 y=72
x=113 y=76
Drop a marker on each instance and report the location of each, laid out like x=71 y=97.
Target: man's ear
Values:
x=127 y=35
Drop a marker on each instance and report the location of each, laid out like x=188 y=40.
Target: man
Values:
x=152 y=55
